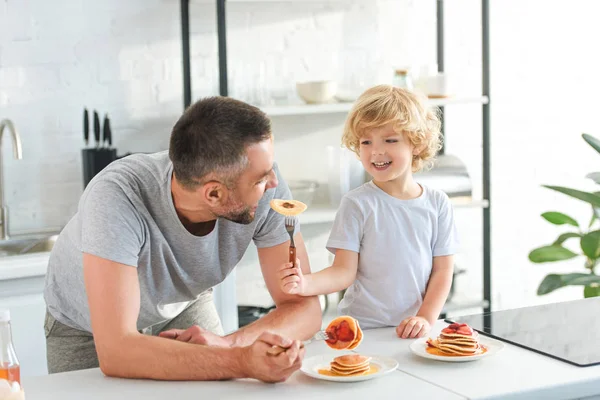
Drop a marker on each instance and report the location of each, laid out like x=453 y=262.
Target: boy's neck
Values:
x=404 y=189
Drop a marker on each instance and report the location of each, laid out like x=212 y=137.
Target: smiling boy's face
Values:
x=385 y=154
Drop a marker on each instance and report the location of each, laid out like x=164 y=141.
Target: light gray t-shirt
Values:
x=126 y=215
x=396 y=241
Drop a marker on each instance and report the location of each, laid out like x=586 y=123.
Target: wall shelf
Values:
x=458 y=305
x=332 y=108
x=320 y=214
x=316 y=214
x=266 y=1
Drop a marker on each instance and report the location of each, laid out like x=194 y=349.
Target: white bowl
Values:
x=316 y=92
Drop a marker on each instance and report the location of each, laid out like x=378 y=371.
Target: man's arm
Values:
x=438 y=288
x=295 y=316
x=114 y=301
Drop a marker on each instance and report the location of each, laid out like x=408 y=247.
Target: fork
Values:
x=321 y=335
x=290 y=225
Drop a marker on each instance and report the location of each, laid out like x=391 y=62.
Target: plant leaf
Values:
x=591 y=291
x=595 y=176
x=590 y=244
x=578 y=194
x=549 y=284
x=592 y=141
x=555 y=281
x=579 y=278
x=593 y=219
x=550 y=253
x=562 y=238
x=558 y=218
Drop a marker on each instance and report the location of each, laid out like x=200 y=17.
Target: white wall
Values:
x=124 y=58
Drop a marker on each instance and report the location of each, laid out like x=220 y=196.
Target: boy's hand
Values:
x=292 y=281
x=413 y=327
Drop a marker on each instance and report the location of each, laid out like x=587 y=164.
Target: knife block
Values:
x=94 y=161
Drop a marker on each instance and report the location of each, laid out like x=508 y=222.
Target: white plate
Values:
x=312 y=365
x=419 y=347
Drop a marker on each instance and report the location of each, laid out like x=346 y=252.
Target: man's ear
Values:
x=215 y=193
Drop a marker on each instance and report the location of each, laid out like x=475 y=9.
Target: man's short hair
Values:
x=211 y=138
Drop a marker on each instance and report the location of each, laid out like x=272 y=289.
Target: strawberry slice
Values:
x=341 y=332
x=448 y=330
x=344 y=333
x=465 y=330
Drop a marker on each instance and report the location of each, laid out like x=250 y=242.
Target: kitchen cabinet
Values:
x=25 y=300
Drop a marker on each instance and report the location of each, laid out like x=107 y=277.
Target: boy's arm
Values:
x=334 y=278
x=295 y=317
x=438 y=288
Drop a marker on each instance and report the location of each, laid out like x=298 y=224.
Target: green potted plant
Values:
x=588 y=239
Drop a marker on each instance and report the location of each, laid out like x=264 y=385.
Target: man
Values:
x=129 y=279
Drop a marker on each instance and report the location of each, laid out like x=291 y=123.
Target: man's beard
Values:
x=244 y=217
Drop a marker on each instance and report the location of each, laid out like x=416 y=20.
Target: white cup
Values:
x=437 y=85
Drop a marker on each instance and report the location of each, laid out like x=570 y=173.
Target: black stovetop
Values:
x=568 y=331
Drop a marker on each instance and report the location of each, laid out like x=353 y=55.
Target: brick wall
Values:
x=124 y=59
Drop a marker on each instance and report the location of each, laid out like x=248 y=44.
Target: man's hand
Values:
x=258 y=364
x=413 y=327
x=291 y=278
x=196 y=335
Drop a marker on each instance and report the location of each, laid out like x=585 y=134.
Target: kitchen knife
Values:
x=106 y=133
x=96 y=129
x=86 y=127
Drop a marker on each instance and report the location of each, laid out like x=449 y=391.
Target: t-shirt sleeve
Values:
x=271 y=231
x=446 y=242
x=348 y=227
x=110 y=225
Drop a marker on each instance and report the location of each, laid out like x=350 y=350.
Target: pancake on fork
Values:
x=344 y=333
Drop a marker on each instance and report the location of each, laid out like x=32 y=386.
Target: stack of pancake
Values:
x=457 y=340
x=350 y=364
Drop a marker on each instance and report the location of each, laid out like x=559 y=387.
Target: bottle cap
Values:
x=4 y=315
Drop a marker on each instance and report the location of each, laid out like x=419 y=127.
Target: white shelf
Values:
x=317 y=215
x=267 y=1
x=332 y=108
x=321 y=214
x=448 y=101
x=304 y=109
x=458 y=305
x=469 y=203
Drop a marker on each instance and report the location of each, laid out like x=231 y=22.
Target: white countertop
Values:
x=513 y=373
x=24 y=266
x=91 y=384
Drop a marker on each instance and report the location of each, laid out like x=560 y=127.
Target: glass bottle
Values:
x=9 y=364
x=402 y=79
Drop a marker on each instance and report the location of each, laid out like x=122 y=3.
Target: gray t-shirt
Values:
x=126 y=215
x=397 y=241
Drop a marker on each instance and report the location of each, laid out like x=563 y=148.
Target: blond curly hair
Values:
x=409 y=114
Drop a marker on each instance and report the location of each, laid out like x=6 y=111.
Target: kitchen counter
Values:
x=92 y=385
x=24 y=266
x=513 y=373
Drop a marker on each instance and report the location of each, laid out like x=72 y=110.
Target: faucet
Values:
x=16 y=139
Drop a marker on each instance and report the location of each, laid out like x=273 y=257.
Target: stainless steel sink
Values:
x=27 y=245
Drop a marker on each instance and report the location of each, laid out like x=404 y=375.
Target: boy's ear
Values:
x=418 y=150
